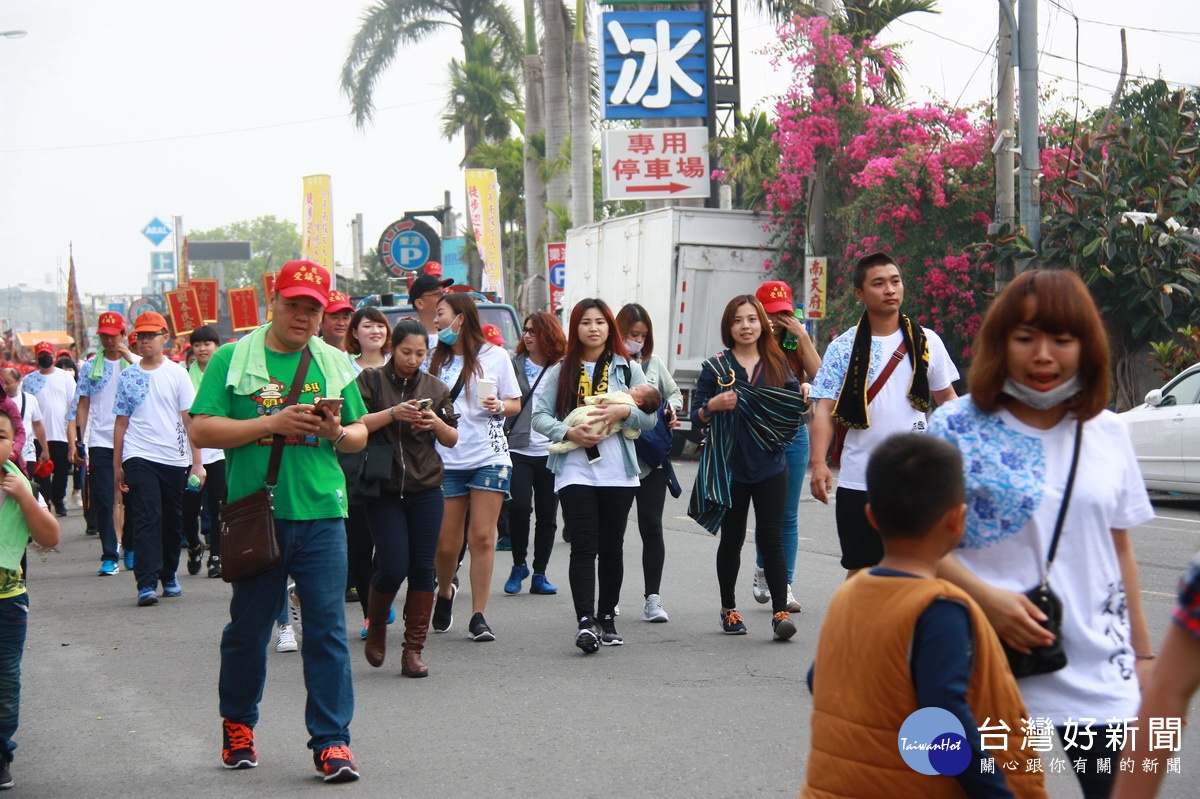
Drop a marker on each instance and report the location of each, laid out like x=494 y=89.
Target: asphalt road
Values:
x=121 y=701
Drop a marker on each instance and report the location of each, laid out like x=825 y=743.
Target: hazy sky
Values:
x=112 y=113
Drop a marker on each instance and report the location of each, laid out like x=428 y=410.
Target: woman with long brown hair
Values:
x=483 y=388
x=597 y=481
x=541 y=346
x=749 y=399
x=1037 y=440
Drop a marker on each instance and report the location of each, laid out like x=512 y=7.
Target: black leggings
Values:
x=212 y=493
x=532 y=493
x=651 y=496
x=360 y=549
x=595 y=520
x=769 y=497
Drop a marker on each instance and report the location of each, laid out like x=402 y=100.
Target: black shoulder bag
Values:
x=368 y=470
x=249 y=545
x=511 y=421
x=1046 y=659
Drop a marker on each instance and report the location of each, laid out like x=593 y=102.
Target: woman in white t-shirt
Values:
x=484 y=389
x=1042 y=367
x=367 y=339
x=597 y=481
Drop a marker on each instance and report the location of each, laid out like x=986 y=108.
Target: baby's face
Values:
x=643 y=395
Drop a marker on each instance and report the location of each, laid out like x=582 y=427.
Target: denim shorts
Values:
x=459 y=482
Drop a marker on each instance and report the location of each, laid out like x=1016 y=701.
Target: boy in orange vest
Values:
x=907 y=668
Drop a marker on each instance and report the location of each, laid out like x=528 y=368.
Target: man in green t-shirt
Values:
x=240 y=407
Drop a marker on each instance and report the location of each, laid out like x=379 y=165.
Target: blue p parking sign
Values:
x=407 y=245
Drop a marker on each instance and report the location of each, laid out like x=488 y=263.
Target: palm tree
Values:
x=749 y=156
x=558 y=120
x=582 y=208
x=484 y=100
x=535 y=131
x=389 y=24
x=859 y=20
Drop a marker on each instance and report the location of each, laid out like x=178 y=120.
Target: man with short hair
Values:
x=336 y=320
x=424 y=294
x=151 y=453
x=54 y=389
x=208 y=495
x=241 y=407
x=853 y=364
x=94 y=418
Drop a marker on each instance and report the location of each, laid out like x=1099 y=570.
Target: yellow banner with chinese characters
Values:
x=316 y=221
x=814 y=287
x=483 y=205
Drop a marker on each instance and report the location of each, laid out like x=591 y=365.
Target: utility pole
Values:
x=356 y=245
x=1031 y=211
x=1006 y=121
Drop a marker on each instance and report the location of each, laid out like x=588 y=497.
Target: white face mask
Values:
x=1042 y=400
x=634 y=347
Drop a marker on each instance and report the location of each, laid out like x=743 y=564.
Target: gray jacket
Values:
x=546 y=421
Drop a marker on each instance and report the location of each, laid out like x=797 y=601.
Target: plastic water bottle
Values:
x=193 y=483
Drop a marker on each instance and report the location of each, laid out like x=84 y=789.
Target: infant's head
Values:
x=647 y=397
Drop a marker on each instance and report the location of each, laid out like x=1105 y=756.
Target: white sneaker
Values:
x=287 y=640
x=654 y=610
x=293 y=603
x=76 y=499
x=762 y=594
x=792 y=605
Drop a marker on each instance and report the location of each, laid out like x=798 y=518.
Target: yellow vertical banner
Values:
x=183 y=265
x=814 y=287
x=483 y=205
x=316 y=222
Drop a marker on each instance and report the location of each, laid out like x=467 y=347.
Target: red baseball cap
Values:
x=43 y=346
x=150 y=322
x=775 y=296
x=44 y=469
x=110 y=323
x=337 y=302
x=433 y=268
x=304 y=279
x=492 y=334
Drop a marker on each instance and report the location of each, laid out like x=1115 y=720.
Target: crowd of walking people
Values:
x=393 y=454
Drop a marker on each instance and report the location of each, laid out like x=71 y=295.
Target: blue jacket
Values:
x=546 y=421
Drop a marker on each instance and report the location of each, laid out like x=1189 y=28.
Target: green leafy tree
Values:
x=1122 y=211
x=273 y=242
x=389 y=24
x=747 y=159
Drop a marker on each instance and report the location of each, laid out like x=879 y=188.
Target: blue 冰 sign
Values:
x=655 y=64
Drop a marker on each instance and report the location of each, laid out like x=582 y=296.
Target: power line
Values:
x=207 y=134
x=1061 y=7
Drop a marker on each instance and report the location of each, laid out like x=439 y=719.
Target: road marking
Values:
x=1177 y=519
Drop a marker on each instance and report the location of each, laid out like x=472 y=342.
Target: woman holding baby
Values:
x=483 y=388
x=596 y=482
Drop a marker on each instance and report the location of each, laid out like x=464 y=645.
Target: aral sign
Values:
x=655 y=64
x=655 y=163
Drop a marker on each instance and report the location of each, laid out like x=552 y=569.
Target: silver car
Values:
x=1166 y=434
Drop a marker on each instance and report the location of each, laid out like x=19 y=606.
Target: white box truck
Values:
x=682 y=264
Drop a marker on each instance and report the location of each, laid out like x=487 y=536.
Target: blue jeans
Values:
x=405 y=530
x=14 y=618
x=314 y=553
x=100 y=495
x=154 y=506
x=797 y=463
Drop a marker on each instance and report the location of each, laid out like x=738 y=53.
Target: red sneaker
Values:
x=335 y=764
x=238 y=751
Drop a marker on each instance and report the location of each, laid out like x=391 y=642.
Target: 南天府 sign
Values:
x=655 y=163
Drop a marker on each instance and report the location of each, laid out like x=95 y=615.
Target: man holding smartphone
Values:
x=241 y=407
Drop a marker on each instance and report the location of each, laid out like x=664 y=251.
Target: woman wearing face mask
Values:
x=367 y=338
x=803 y=360
x=484 y=390
x=405 y=520
x=542 y=345
x=597 y=481
x=1039 y=384
x=637 y=331
x=365 y=343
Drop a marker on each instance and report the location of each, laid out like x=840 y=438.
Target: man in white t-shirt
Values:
x=31 y=416
x=94 y=417
x=842 y=390
x=54 y=388
x=151 y=455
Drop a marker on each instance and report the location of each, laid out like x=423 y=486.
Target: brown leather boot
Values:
x=378 y=605
x=418 y=607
